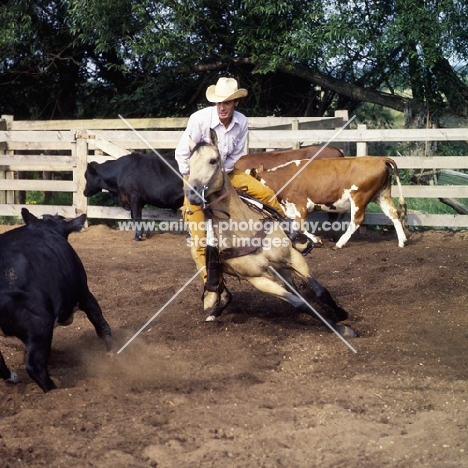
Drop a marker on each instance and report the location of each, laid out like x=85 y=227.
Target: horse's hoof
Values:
x=210 y=300
x=345 y=331
x=13 y=378
x=219 y=305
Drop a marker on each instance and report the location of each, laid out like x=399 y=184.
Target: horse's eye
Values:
x=213 y=161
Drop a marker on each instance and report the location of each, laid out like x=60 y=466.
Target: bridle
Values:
x=209 y=207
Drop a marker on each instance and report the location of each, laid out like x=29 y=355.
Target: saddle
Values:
x=297 y=237
x=214 y=256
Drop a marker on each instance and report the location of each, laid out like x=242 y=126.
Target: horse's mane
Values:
x=200 y=144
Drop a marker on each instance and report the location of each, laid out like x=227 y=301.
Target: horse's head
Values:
x=206 y=174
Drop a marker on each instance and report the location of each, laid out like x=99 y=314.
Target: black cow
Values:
x=42 y=283
x=135 y=180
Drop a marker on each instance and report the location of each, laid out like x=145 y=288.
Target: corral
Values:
x=262 y=386
x=67 y=146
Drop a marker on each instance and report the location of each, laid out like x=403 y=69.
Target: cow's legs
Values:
x=301 y=219
x=315 y=239
x=299 y=214
x=38 y=348
x=5 y=373
x=136 y=210
x=357 y=217
x=389 y=209
x=89 y=305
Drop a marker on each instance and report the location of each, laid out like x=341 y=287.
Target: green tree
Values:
x=39 y=62
x=94 y=58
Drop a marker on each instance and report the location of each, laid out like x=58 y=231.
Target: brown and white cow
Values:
x=271 y=159
x=337 y=185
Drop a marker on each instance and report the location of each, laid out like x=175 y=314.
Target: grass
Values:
x=424 y=205
x=38 y=198
x=56 y=198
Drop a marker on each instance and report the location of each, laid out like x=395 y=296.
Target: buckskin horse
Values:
x=263 y=256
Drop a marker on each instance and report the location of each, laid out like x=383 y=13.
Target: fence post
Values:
x=6 y=196
x=80 y=153
x=345 y=117
x=3 y=194
x=361 y=146
x=295 y=126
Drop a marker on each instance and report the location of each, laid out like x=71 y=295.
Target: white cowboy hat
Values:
x=225 y=90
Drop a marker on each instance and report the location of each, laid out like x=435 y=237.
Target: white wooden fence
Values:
x=27 y=146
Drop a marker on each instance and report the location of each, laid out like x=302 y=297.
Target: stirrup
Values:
x=307 y=249
x=298 y=237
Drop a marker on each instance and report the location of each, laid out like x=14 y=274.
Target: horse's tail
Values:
x=402 y=209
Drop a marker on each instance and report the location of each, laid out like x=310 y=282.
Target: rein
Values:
x=223 y=196
x=232 y=252
x=210 y=206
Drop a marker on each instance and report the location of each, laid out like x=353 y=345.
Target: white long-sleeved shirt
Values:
x=231 y=140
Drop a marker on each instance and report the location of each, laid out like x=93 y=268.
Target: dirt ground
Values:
x=263 y=386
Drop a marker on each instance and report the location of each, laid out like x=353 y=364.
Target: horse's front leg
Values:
x=338 y=313
x=324 y=296
x=269 y=286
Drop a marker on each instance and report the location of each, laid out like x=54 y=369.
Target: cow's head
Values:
x=93 y=180
x=55 y=223
x=255 y=171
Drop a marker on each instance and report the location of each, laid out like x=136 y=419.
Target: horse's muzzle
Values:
x=194 y=194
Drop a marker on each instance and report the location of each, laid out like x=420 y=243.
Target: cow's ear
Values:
x=92 y=167
x=77 y=224
x=28 y=217
x=260 y=168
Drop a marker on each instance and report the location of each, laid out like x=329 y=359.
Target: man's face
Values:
x=226 y=110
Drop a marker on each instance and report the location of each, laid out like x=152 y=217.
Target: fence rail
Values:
x=67 y=146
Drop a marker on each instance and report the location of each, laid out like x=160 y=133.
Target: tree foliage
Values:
x=97 y=58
